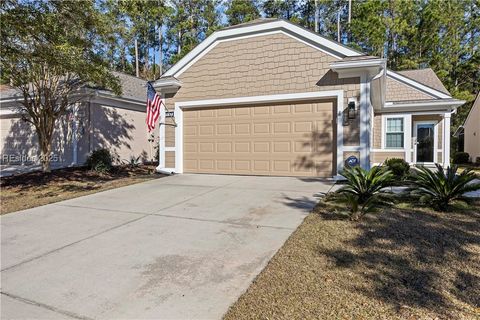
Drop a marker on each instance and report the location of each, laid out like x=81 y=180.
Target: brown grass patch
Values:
x=36 y=188
x=400 y=263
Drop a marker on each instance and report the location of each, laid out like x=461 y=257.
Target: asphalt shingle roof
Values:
x=425 y=76
x=132 y=87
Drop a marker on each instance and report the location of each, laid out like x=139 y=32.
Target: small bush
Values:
x=461 y=158
x=440 y=187
x=398 y=167
x=363 y=189
x=100 y=160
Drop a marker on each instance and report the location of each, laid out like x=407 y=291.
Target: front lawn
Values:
x=35 y=189
x=406 y=262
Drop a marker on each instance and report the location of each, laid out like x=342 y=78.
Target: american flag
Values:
x=154 y=103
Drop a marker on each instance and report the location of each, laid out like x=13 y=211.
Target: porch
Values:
x=418 y=138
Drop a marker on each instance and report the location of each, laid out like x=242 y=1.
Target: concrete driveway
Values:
x=180 y=247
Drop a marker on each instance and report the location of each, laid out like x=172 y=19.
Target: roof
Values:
x=132 y=87
x=426 y=76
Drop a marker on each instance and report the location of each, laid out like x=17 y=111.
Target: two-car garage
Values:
x=281 y=139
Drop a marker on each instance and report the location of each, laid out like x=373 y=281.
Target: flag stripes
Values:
x=154 y=103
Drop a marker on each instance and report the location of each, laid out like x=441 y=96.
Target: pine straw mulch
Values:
x=407 y=262
x=34 y=189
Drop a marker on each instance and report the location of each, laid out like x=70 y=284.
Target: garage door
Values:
x=278 y=140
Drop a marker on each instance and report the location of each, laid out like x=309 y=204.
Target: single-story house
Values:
x=469 y=133
x=269 y=97
x=100 y=120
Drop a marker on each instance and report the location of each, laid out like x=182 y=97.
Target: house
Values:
x=271 y=98
x=469 y=132
x=100 y=120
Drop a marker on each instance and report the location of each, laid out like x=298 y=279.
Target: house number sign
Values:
x=169 y=114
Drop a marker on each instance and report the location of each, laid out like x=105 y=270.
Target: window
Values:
x=394 y=134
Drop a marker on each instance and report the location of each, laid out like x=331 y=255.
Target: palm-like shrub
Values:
x=440 y=187
x=363 y=188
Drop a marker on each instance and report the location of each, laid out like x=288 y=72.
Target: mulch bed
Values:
x=37 y=188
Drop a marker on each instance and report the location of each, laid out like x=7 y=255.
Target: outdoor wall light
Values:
x=352 y=110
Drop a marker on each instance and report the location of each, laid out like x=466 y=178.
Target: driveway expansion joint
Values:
x=71 y=244
x=45 y=306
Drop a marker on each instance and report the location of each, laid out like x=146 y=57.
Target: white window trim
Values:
x=239 y=101
x=407 y=135
x=402 y=132
x=435 y=140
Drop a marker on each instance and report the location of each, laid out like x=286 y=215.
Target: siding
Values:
x=398 y=91
x=264 y=65
x=380 y=157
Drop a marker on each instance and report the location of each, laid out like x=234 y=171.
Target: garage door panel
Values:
x=287 y=139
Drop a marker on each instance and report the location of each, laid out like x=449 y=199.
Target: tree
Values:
x=49 y=52
x=241 y=11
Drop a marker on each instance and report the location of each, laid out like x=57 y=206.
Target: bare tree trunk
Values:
x=137 y=70
x=316 y=16
x=160 y=52
x=338 y=26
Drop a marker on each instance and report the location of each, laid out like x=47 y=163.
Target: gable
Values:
x=398 y=91
x=262 y=65
x=310 y=38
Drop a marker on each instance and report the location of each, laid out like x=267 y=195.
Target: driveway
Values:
x=180 y=247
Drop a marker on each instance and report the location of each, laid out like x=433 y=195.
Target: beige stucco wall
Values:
x=122 y=131
x=264 y=65
x=397 y=91
x=472 y=131
x=19 y=142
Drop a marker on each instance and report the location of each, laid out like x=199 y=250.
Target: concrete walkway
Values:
x=181 y=247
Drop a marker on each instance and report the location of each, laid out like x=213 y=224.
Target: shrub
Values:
x=363 y=189
x=461 y=158
x=398 y=167
x=440 y=187
x=100 y=160
x=133 y=162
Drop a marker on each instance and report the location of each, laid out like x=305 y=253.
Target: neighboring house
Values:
x=100 y=120
x=271 y=98
x=469 y=132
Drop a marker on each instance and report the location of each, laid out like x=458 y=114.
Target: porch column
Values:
x=446 y=139
x=161 y=137
x=408 y=137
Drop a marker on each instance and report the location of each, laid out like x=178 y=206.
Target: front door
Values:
x=425 y=142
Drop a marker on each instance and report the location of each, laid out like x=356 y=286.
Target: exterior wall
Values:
x=121 y=131
x=19 y=143
x=380 y=157
x=377 y=131
x=378 y=135
x=472 y=131
x=264 y=65
x=397 y=91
